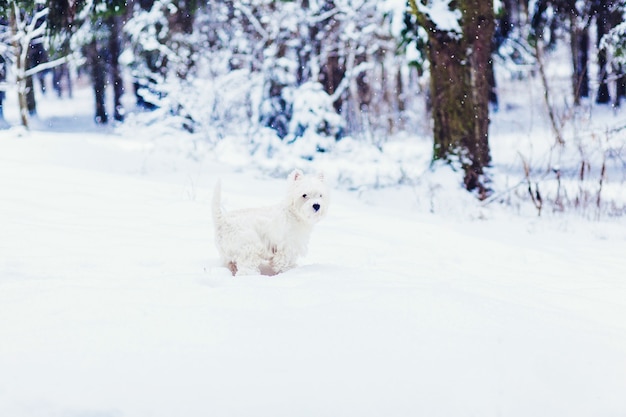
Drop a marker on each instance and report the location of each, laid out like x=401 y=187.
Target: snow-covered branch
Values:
x=252 y=18
x=350 y=75
x=317 y=18
x=441 y=15
x=48 y=65
x=27 y=33
x=615 y=42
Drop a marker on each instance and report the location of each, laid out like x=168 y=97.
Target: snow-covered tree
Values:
x=615 y=43
x=161 y=45
x=348 y=47
x=27 y=26
x=575 y=18
x=26 y=33
x=612 y=47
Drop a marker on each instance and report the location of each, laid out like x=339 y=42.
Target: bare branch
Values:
x=546 y=94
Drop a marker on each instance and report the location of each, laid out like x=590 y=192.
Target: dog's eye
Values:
x=303 y=195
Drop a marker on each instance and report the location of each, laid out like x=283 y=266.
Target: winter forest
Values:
x=305 y=78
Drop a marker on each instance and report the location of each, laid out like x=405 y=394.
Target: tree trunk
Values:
x=306 y=46
x=579 y=44
x=620 y=85
x=478 y=28
x=20 y=64
x=115 y=49
x=97 y=64
x=333 y=67
x=3 y=78
x=493 y=87
x=364 y=90
x=331 y=75
x=603 y=96
x=31 y=101
x=459 y=70
x=614 y=19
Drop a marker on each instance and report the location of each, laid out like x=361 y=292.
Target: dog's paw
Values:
x=247 y=271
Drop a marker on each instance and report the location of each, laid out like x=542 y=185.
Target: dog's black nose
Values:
x=316 y=207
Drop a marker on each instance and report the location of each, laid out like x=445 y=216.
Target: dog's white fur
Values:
x=254 y=240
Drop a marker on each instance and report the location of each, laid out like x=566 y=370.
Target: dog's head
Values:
x=308 y=196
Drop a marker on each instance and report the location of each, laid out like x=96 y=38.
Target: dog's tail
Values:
x=217 y=203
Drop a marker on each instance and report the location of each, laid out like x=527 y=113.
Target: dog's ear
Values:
x=296 y=175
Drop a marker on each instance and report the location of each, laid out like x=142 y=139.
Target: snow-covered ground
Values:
x=113 y=302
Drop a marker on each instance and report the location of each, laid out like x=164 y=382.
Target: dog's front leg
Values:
x=283 y=260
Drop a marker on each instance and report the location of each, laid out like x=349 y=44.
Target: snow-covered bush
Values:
x=278 y=94
x=158 y=53
x=614 y=42
x=314 y=119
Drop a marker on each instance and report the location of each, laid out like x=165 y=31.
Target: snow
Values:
x=113 y=302
x=441 y=14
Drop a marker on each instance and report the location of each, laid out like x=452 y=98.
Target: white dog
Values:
x=272 y=237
